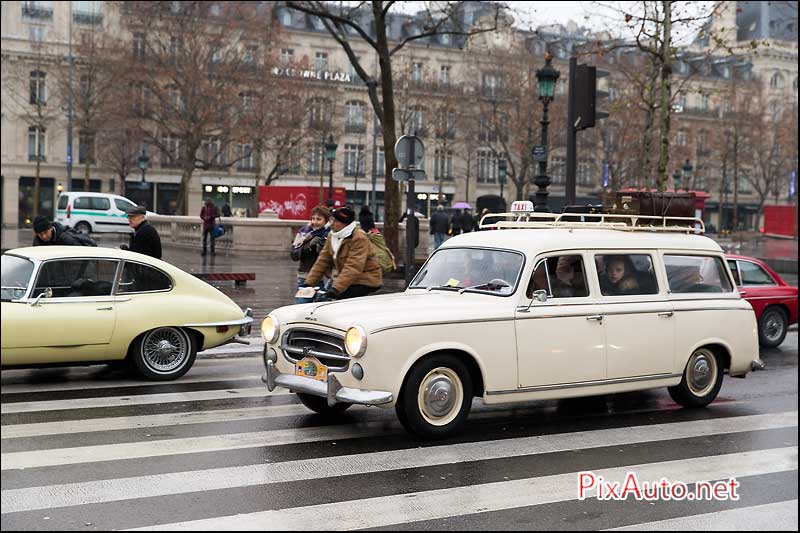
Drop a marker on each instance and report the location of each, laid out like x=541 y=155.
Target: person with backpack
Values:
x=379 y=248
x=348 y=252
x=209 y=214
x=49 y=233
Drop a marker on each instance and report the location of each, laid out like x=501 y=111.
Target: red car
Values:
x=774 y=302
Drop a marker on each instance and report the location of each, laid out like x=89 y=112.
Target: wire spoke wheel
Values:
x=165 y=349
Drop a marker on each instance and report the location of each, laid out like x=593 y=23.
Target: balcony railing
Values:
x=41 y=13
x=87 y=18
x=355 y=128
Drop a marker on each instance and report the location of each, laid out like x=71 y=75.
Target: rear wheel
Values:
x=164 y=354
x=83 y=227
x=772 y=327
x=436 y=397
x=320 y=405
x=702 y=379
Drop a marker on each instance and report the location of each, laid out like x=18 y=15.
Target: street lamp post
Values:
x=547 y=78
x=143 y=160
x=501 y=175
x=330 y=155
x=687 y=174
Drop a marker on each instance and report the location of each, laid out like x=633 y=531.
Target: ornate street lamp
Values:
x=330 y=155
x=143 y=161
x=547 y=77
x=501 y=174
x=687 y=174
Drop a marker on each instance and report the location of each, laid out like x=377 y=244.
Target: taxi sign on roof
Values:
x=522 y=206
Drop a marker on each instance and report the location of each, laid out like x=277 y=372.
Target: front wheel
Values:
x=83 y=227
x=772 y=327
x=702 y=379
x=164 y=354
x=436 y=397
x=320 y=405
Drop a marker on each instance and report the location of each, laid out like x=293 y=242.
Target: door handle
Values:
x=742 y=293
x=666 y=313
x=105 y=308
x=597 y=318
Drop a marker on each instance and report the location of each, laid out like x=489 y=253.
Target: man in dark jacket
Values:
x=145 y=239
x=439 y=226
x=209 y=213
x=467 y=222
x=49 y=233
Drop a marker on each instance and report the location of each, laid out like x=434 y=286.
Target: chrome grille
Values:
x=327 y=347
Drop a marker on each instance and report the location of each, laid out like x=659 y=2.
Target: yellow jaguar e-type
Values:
x=65 y=305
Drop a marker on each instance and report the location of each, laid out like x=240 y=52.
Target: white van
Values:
x=91 y=212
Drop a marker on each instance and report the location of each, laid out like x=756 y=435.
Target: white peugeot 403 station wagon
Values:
x=546 y=308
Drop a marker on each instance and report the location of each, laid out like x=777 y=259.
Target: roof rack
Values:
x=645 y=223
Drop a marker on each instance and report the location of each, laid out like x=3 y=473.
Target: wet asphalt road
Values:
x=89 y=449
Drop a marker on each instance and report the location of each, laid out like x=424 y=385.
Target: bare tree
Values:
x=118 y=150
x=370 y=23
x=193 y=59
x=34 y=98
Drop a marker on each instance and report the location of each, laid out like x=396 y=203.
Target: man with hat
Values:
x=348 y=252
x=49 y=233
x=145 y=239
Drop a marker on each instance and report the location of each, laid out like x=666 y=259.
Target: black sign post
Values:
x=410 y=153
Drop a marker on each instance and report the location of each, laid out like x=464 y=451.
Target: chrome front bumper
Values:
x=332 y=390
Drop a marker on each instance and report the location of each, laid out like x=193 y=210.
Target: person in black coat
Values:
x=439 y=226
x=467 y=222
x=145 y=239
x=49 y=233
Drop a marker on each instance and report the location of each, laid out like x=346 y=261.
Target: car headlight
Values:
x=270 y=329
x=355 y=341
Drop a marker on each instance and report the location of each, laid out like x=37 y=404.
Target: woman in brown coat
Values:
x=348 y=253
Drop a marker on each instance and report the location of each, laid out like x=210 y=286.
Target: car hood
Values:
x=407 y=308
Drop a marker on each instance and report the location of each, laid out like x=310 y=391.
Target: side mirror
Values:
x=47 y=293
x=540 y=295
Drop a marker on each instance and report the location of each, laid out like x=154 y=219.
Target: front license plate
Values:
x=311 y=368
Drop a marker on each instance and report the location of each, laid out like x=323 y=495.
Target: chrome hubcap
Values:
x=165 y=349
x=701 y=372
x=440 y=396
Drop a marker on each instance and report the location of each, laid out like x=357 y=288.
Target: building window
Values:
x=354 y=160
x=446 y=38
x=321 y=61
x=175 y=99
x=216 y=56
x=680 y=138
x=250 y=54
x=138 y=46
x=214 y=10
x=247 y=98
x=86 y=148
x=36 y=144
x=213 y=152
x=287 y=55
x=445 y=125
x=355 y=117
x=416 y=124
x=416 y=72
x=702 y=141
x=247 y=160
x=316 y=160
x=87 y=12
x=776 y=82
x=487 y=167
x=491 y=83
x=38 y=90
x=37 y=10
x=704 y=102
x=37 y=34
x=380 y=162
x=286 y=17
x=444 y=75
x=443 y=165
x=171 y=153
x=319 y=113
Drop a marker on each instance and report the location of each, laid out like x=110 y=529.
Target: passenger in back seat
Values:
x=618 y=277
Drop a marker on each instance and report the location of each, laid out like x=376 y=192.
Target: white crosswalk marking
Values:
x=404 y=508
x=275 y=465
x=770 y=517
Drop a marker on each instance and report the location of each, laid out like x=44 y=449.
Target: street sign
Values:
x=403 y=149
x=539 y=152
x=402 y=174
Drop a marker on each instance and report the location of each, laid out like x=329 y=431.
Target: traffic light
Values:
x=586 y=95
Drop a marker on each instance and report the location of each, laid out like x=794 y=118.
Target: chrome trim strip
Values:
x=477 y=320
x=245 y=320
x=314 y=353
x=600 y=382
x=312 y=339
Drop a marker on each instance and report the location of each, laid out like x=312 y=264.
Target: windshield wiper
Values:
x=491 y=286
x=442 y=287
